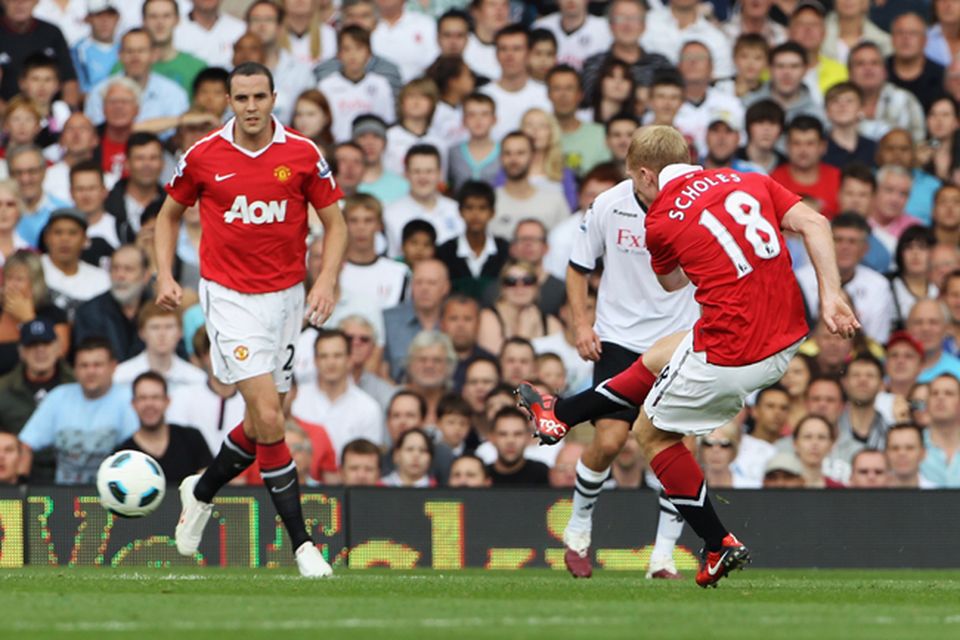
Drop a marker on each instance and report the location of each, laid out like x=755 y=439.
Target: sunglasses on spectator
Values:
x=513 y=281
x=717 y=442
x=356 y=337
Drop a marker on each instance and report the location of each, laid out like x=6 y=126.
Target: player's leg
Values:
x=553 y=417
x=593 y=469
x=669 y=528
x=238 y=451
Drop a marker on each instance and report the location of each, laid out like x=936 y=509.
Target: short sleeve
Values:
x=39 y=430
x=588 y=244
x=320 y=188
x=663 y=259
x=783 y=199
x=183 y=186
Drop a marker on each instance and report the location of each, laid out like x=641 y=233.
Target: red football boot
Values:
x=577 y=554
x=539 y=408
x=716 y=564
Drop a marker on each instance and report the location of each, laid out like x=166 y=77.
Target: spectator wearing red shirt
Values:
x=805 y=173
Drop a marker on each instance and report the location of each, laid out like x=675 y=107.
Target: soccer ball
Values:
x=131 y=484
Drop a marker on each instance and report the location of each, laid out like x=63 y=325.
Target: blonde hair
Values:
x=316 y=21
x=22 y=102
x=553 y=156
x=655 y=147
x=9 y=184
x=30 y=261
x=419 y=86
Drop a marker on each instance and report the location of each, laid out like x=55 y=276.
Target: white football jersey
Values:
x=372 y=94
x=633 y=310
x=382 y=281
x=511 y=105
x=573 y=48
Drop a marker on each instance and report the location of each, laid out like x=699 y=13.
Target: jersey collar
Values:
x=279 y=136
x=674 y=171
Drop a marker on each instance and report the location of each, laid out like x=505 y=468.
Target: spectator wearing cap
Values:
x=927 y=324
x=908 y=67
x=627 y=20
x=941 y=465
x=97 y=53
x=701 y=100
x=670 y=27
x=353 y=90
x=901 y=368
x=788 y=64
x=885 y=106
x=22 y=34
x=370 y=134
x=805 y=173
x=208 y=33
x=806 y=28
x=159 y=97
x=845 y=145
x=71 y=281
x=84 y=421
x=130 y=196
x=723 y=142
x=113 y=314
x=39 y=370
x=28 y=167
x=905 y=452
x=783 y=471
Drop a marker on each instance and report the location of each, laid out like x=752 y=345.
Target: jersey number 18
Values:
x=744 y=209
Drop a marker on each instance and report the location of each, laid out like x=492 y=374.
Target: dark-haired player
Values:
x=254 y=180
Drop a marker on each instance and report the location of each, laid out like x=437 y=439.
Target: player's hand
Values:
x=169 y=293
x=838 y=316
x=320 y=302
x=588 y=343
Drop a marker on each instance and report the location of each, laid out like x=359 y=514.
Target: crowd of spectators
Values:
x=469 y=137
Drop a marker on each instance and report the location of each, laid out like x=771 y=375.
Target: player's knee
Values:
x=611 y=437
x=269 y=421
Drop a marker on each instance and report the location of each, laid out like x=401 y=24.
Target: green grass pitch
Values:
x=217 y=603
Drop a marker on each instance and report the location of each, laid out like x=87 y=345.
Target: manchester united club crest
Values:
x=241 y=353
x=282 y=173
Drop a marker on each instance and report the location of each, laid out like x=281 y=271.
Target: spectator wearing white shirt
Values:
x=579 y=34
x=290 y=76
x=90 y=194
x=364 y=273
x=701 y=101
x=311 y=39
x=70 y=280
x=869 y=291
x=407 y=39
x=455 y=81
x=453 y=32
x=489 y=16
x=416 y=107
x=334 y=401
x=161 y=331
x=209 y=34
x=670 y=27
x=753 y=16
x=78 y=141
x=757 y=447
x=518 y=198
x=353 y=91
x=515 y=92
x=422 y=170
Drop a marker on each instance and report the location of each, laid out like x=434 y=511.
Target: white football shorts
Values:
x=252 y=333
x=693 y=397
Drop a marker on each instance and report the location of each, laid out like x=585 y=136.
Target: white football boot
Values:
x=311 y=563
x=193 y=518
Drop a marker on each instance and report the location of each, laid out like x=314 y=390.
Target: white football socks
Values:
x=586 y=491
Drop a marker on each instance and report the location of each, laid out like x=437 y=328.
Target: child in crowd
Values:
x=453 y=423
x=416 y=106
x=543 y=54
x=750 y=55
x=479 y=157
x=40 y=82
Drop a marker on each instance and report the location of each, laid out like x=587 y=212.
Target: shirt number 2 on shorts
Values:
x=744 y=209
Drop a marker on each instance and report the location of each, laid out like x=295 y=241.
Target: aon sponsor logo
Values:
x=256 y=212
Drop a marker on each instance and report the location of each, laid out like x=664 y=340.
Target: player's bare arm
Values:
x=673 y=281
x=321 y=297
x=169 y=292
x=818 y=240
x=588 y=343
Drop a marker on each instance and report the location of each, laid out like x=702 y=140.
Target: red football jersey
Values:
x=722 y=228
x=253 y=206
